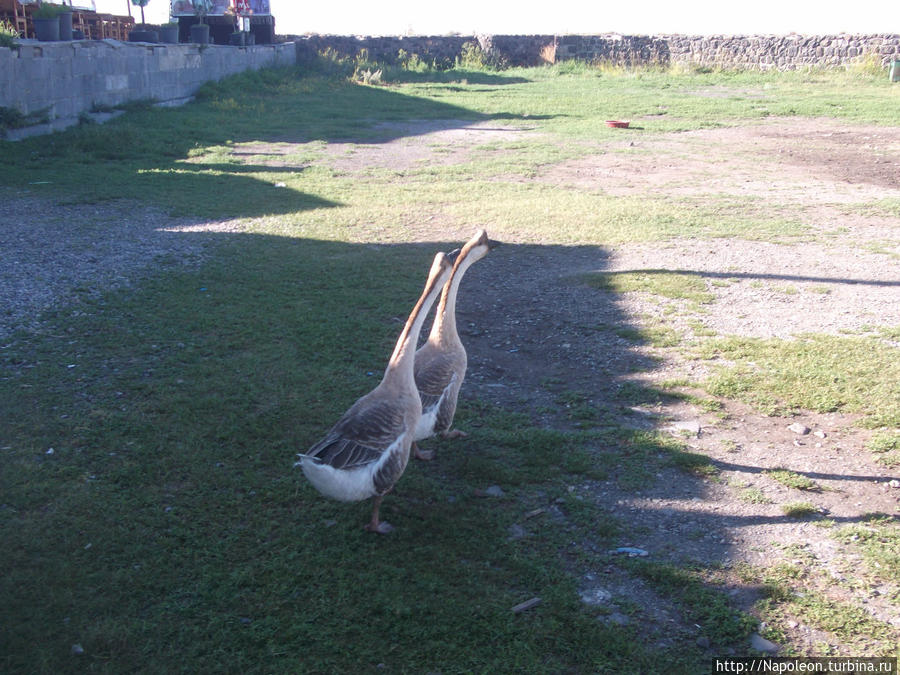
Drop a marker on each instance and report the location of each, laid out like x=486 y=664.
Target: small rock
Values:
x=894 y=483
x=77 y=650
x=800 y=429
x=792 y=624
x=759 y=643
x=630 y=551
x=820 y=434
x=691 y=427
x=528 y=604
x=616 y=618
x=595 y=596
x=494 y=491
x=50 y=451
x=516 y=531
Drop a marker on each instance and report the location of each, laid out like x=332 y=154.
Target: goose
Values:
x=441 y=361
x=367 y=450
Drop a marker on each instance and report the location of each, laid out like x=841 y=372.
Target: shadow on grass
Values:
x=168 y=511
x=141 y=155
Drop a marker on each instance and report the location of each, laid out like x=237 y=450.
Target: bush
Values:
x=8 y=35
x=473 y=57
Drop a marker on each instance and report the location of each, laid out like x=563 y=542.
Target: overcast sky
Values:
x=431 y=17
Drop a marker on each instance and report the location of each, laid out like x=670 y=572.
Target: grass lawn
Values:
x=149 y=511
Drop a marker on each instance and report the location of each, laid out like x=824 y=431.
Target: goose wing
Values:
x=438 y=382
x=361 y=436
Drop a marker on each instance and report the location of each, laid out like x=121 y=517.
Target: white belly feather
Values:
x=347 y=485
x=425 y=426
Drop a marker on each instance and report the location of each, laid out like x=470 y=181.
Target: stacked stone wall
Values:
x=757 y=52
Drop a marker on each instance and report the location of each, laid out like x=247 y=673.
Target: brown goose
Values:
x=441 y=361
x=366 y=452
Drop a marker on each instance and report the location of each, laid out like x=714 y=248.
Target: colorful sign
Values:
x=219 y=7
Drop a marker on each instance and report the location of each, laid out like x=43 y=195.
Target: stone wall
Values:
x=783 y=52
x=62 y=80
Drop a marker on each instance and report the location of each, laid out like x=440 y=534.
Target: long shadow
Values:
x=757 y=275
x=729 y=466
x=141 y=155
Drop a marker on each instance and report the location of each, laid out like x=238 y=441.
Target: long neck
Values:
x=404 y=352
x=444 y=327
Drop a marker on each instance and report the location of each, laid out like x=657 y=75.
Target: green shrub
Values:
x=473 y=57
x=8 y=35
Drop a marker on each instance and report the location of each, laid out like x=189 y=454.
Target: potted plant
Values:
x=168 y=33
x=46 y=22
x=144 y=33
x=65 y=23
x=236 y=38
x=200 y=31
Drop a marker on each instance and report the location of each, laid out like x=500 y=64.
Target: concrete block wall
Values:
x=64 y=79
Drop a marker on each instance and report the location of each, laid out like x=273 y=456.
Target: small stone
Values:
x=630 y=551
x=800 y=429
x=685 y=427
x=77 y=650
x=524 y=606
x=820 y=434
x=595 y=596
x=50 y=451
x=792 y=624
x=894 y=483
x=516 y=531
x=759 y=643
x=494 y=491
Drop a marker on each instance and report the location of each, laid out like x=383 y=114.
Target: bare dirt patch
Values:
x=809 y=161
x=432 y=142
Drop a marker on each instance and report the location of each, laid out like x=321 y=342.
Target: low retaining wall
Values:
x=782 y=52
x=62 y=80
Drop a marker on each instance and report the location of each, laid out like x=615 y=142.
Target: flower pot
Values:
x=143 y=36
x=200 y=33
x=169 y=34
x=65 y=26
x=236 y=39
x=895 y=70
x=47 y=30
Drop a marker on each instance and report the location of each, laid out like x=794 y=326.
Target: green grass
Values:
x=822 y=373
x=167 y=531
x=791 y=592
x=668 y=284
x=799 y=509
x=792 y=479
x=886 y=446
x=753 y=495
x=879 y=541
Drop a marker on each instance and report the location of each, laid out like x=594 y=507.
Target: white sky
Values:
x=433 y=17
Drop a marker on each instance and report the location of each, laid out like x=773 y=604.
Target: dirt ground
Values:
x=533 y=333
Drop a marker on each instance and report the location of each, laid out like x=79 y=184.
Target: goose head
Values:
x=475 y=249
